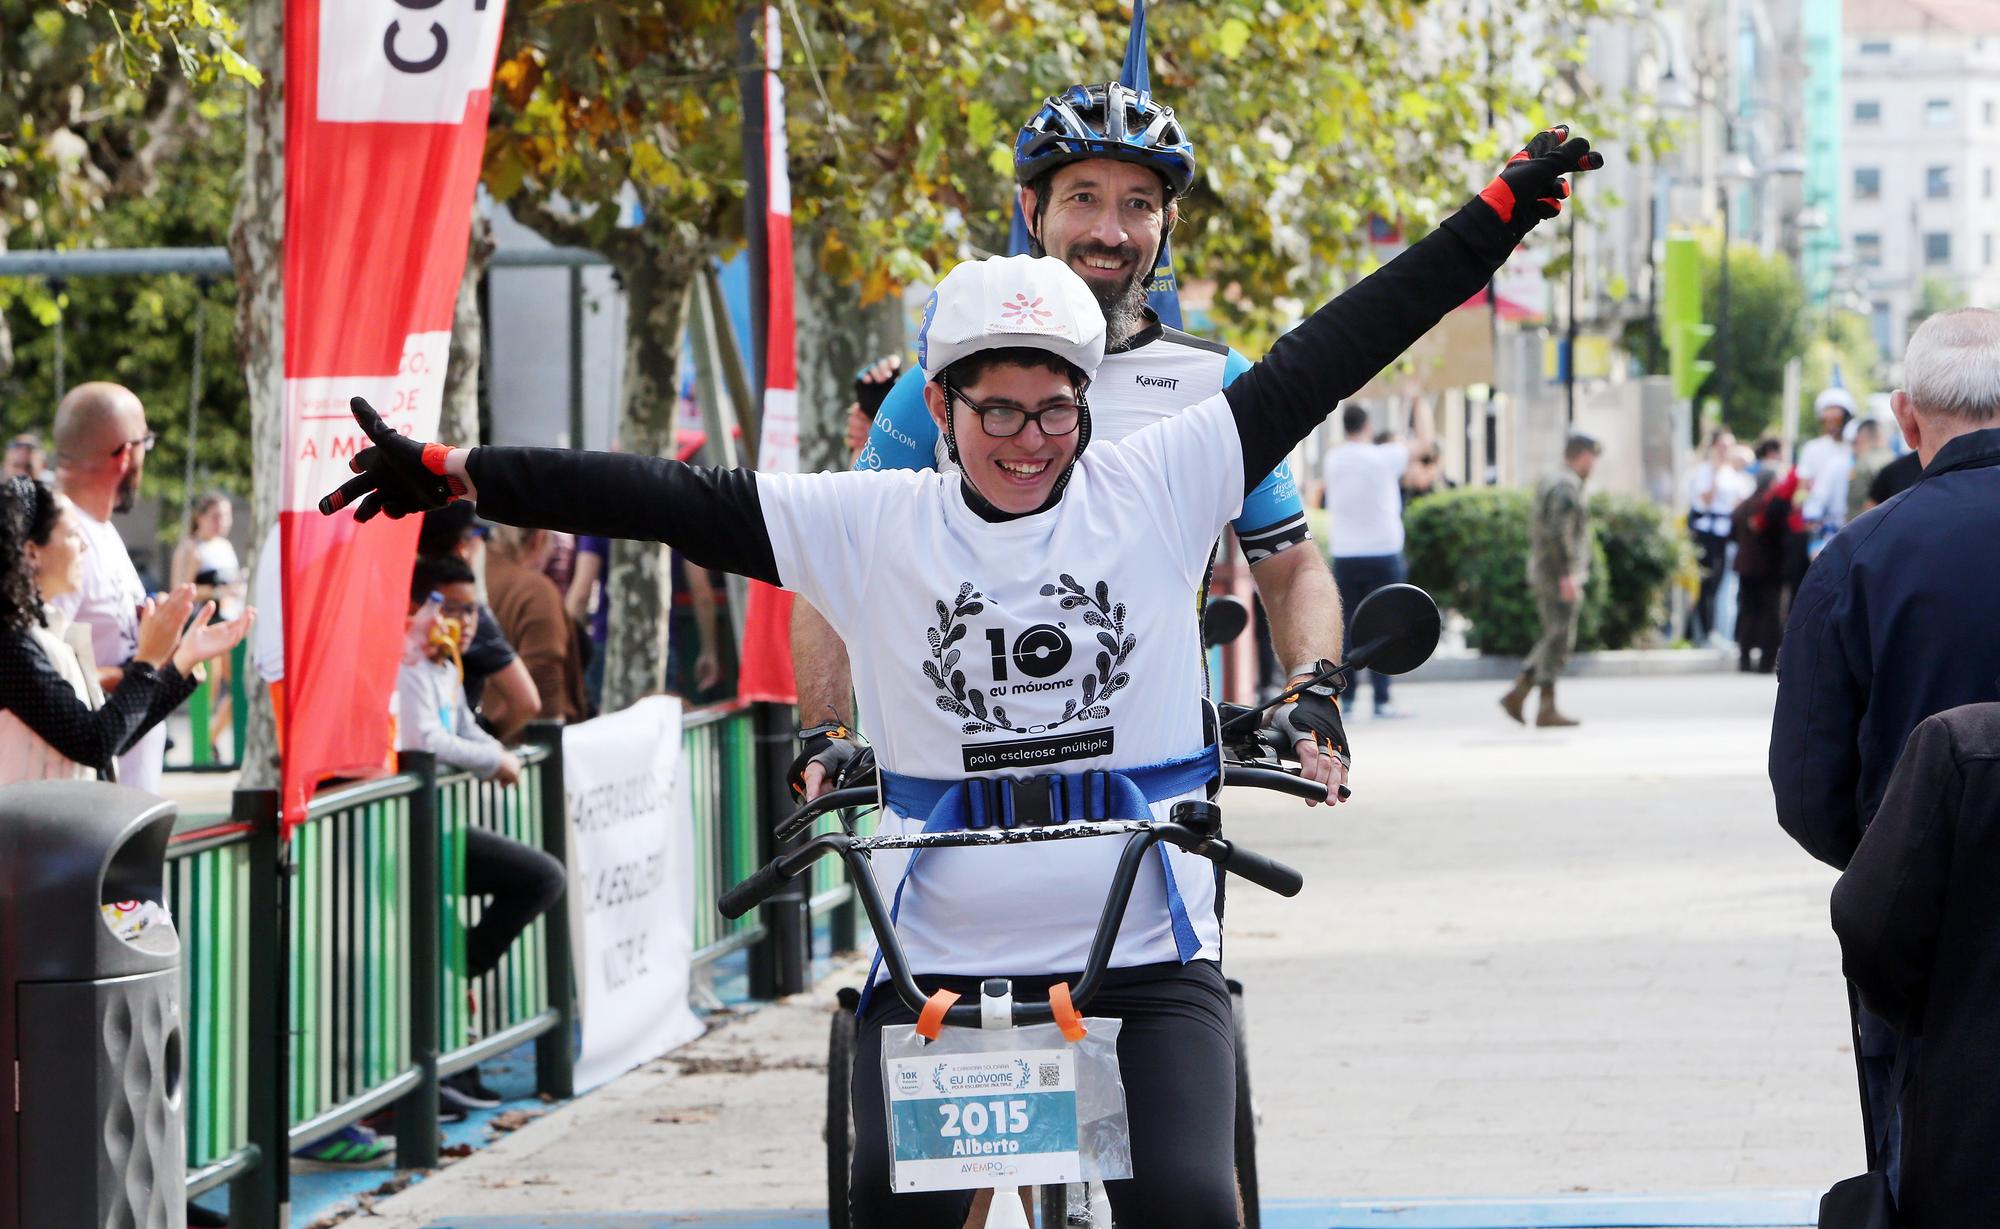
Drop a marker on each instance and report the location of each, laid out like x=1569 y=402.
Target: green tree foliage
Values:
x=1845 y=340
x=96 y=96
x=140 y=332
x=1766 y=329
x=1311 y=118
x=1935 y=295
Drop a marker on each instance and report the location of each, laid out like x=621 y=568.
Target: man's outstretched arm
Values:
x=1346 y=343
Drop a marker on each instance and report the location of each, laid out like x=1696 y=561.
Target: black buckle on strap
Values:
x=1035 y=801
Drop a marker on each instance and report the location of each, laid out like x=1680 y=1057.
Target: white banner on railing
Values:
x=631 y=886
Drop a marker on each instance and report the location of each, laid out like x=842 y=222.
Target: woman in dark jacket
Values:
x=1920 y=940
x=1758 y=527
x=54 y=723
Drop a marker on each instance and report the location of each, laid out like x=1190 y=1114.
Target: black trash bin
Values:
x=90 y=1015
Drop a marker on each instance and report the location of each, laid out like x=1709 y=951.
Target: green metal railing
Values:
x=372 y=1013
x=208 y=892
x=337 y=918
x=352 y=936
x=728 y=845
x=512 y=1003
x=730 y=835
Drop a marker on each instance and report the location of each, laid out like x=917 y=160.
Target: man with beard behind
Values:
x=1101 y=170
x=101 y=443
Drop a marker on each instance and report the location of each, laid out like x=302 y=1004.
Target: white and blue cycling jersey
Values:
x=1159 y=373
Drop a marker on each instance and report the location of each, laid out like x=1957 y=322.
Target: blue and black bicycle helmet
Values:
x=1105 y=121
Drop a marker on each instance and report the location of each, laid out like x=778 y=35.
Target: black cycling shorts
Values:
x=1177 y=1057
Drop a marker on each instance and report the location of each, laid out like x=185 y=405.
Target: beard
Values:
x=1123 y=303
x=128 y=492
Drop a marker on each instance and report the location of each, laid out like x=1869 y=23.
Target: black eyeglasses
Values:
x=1006 y=421
x=143 y=444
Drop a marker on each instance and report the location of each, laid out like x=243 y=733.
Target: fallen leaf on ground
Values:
x=691 y=1115
x=513 y=1120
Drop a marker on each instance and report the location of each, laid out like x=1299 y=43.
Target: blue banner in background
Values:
x=1165 y=295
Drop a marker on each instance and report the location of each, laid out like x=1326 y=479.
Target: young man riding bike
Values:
x=1027 y=615
x=1101 y=170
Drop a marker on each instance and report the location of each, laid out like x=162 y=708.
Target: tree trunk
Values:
x=837 y=336
x=459 y=422
x=657 y=272
x=6 y=334
x=256 y=245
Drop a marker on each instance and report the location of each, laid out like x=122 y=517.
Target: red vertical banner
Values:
x=385 y=125
x=767 y=619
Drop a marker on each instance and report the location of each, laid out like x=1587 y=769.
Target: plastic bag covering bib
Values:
x=1004 y=1107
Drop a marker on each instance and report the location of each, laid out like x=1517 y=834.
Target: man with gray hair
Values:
x=1893 y=624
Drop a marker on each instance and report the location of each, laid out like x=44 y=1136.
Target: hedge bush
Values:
x=1469 y=548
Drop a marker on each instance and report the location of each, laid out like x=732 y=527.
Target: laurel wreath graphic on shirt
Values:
x=1107 y=677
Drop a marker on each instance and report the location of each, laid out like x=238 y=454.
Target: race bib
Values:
x=1003 y=1118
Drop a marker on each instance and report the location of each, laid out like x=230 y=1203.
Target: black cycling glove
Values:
x=870 y=394
x=1531 y=187
x=398 y=475
x=834 y=747
x=1312 y=713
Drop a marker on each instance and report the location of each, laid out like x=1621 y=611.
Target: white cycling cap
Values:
x=1003 y=302
x=1839 y=397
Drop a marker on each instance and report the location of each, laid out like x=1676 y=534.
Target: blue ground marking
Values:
x=815 y=1219
x=1705 y=1210
x=1719 y=1210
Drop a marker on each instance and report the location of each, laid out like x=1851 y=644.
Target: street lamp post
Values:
x=1736 y=170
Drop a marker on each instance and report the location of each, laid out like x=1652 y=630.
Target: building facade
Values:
x=1920 y=210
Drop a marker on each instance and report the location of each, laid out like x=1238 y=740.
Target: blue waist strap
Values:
x=1050 y=798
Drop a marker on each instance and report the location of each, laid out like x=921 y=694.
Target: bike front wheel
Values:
x=840 y=1107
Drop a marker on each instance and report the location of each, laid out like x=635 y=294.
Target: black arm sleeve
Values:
x=32 y=690
x=1889 y=904
x=712 y=516
x=174 y=688
x=1349 y=341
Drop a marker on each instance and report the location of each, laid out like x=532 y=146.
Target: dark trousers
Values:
x=1759 y=625
x=1713 y=550
x=1177 y=1057
x=1357 y=576
x=1884 y=1110
x=519 y=881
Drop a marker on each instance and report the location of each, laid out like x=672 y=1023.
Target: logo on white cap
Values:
x=1021 y=311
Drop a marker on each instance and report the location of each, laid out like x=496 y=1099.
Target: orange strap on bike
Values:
x=931 y=1019
x=1067 y=1017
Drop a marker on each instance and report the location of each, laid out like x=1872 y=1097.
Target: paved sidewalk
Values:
x=1526 y=963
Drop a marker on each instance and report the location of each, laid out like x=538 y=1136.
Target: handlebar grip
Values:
x=1260 y=870
x=753 y=891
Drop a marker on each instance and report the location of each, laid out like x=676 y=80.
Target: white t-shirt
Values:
x=1364 y=498
x=1711 y=514
x=1824 y=465
x=1084 y=657
x=107 y=602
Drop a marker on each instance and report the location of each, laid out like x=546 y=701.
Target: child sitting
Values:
x=520 y=881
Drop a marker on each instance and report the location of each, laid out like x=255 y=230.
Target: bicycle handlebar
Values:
x=833 y=800
x=1265 y=872
x=1277 y=780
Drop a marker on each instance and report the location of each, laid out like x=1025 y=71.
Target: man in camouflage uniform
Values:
x=1558 y=563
